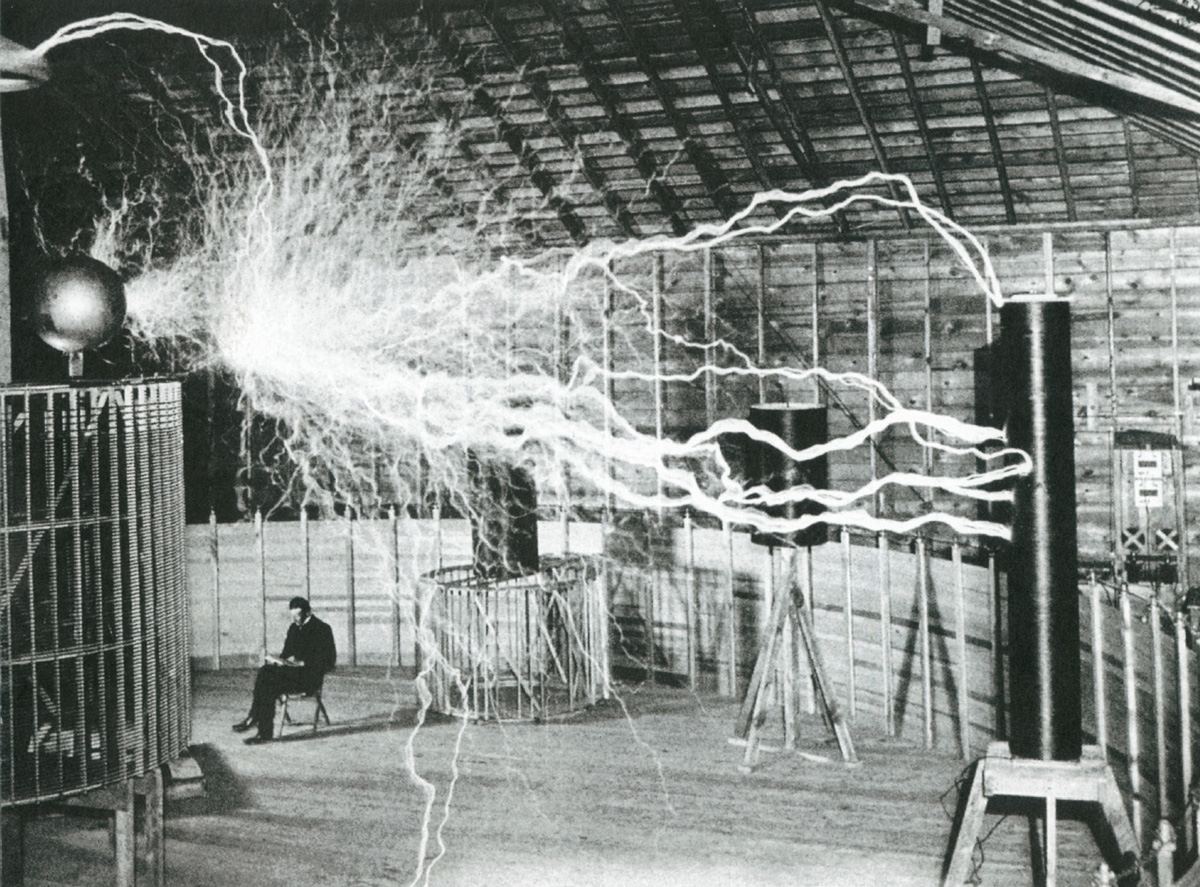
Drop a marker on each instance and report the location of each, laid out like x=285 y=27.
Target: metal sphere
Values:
x=78 y=304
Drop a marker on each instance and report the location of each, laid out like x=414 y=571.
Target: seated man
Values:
x=308 y=652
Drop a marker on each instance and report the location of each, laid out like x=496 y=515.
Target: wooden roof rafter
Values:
x=535 y=79
x=644 y=158
x=914 y=101
x=716 y=80
x=1060 y=154
x=783 y=114
x=989 y=122
x=508 y=131
x=715 y=182
x=860 y=106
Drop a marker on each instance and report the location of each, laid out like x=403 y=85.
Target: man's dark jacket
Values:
x=311 y=643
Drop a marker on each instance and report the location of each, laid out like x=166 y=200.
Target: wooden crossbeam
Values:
x=534 y=77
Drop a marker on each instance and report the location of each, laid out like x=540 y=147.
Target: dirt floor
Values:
x=644 y=792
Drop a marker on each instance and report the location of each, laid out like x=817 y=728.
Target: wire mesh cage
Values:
x=522 y=648
x=94 y=623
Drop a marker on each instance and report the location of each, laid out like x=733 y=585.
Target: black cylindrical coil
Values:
x=1043 y=597
x=799 y=427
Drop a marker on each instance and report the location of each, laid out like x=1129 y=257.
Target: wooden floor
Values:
x=644 y=792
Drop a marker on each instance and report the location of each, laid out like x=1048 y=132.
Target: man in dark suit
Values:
x=308 y=652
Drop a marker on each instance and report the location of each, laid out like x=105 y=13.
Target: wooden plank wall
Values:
x=907 y=308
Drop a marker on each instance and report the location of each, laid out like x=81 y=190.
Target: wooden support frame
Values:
x=989 y=121
x=775 y=671
x=121 y=801
x=914 y=101
x=1060 y=154
x=998 y=774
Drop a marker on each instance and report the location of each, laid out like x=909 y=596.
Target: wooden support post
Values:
x=260 y=551
x=214 y=561
x=710 y=336
x=960 y=620
x=306 y=547
x=815 y=321
x=848 y=583
x=885 y=633
x=872 y=362
x=1160 y=715
x=351 y=604
x=1186 y=718
x=760 y=320
x=926 y=652
x=731 y=617
x=1164 y=857
x=690 y=590
x=1098 y=677
x=659 y=392
x=1131 y=711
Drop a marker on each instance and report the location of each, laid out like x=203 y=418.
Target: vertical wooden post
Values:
x=760 y=318
x=437 y=533
x=885 y=632
x=815 y=308
x=996 y=617
x=1115 y=467
x=964 y=671
x=659 y=393
x=1180 y=488
x=125 y=838
x=1186 y=721
x=1160 y=715
x=872 y=361
x=809 y=590
x=156 y=856
x=690 y=591
x=927 y=354
x=1131 y=709
x=731 y=617
x=307 y=547
x=351 y=606
x=606 y=317
x=214 y=560
x=848 y=582
x=648 y=608
x=1098 y=677
x=710 y=336
x=926 y=653
x=260 y=549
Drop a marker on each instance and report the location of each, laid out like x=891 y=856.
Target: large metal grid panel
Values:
x=94 y=650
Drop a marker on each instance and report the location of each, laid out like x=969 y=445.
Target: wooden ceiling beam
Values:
x=783 y=114
x=579 y=48
x=989 y=121
x=993 y=41
x=712 y=177
x=914 y=101
x=688 y=20
x=535 y=78
x=1131 y=161
x=843 y=62
x=1060 y=154
x=508 y=132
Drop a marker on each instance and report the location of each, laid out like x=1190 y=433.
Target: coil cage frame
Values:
x=94 y=645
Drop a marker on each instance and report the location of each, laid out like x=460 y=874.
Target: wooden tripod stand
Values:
x=998 y=773
x=776 y=665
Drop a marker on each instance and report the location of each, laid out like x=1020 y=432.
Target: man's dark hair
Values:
x=299 y=603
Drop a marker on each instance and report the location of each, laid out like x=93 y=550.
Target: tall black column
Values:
x=800 y=427
x=1045 y=719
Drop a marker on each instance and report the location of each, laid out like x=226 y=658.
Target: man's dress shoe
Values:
x=256 y=740
x=243 y=726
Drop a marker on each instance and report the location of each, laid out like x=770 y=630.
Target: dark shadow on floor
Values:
x=224 y=790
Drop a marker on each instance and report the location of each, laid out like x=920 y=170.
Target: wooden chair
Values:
x=318 y=707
